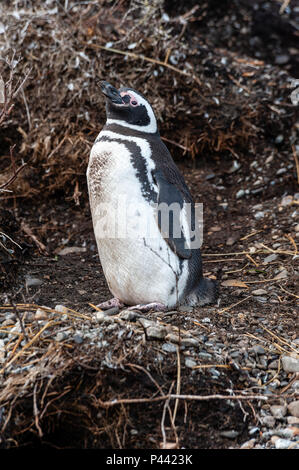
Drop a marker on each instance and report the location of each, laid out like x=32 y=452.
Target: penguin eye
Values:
x=134 y=103
x=126 y=99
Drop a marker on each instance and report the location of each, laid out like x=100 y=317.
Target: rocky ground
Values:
x=246 y=345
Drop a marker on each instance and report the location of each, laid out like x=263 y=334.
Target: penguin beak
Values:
x=111 y=93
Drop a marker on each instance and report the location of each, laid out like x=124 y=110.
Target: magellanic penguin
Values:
x=131 y=173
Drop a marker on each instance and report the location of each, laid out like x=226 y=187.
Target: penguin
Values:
x=146 y=251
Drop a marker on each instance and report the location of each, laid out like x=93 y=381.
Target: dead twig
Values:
x=38 y=243
x=296 y=161
x=128 y=401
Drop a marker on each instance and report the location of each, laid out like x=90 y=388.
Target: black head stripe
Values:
x=136 y=115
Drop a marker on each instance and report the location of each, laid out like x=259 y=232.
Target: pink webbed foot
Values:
x=157 y=307
x=115 y=302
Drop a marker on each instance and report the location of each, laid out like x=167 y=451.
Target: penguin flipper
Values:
x=170 y=207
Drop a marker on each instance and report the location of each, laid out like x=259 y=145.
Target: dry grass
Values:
x=208 y=101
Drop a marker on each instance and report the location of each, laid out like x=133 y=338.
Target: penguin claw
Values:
x=156 y=306
x=115 y=302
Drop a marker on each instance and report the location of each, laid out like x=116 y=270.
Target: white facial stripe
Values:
x=145 y=150
x=150 y=128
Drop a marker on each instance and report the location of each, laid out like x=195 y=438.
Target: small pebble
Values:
x=240 y=193
x=156 y=332
x=61 y=335
x=185 y=308
x=61 y=309
x=100 y=317
x=189 y=342
x=146 y=323
x=172 y=338
x=281 y=171
x=286 y=200
x=169 y=347
x=281 y=443
x=293 y=420
x=258 y=349
x=293 y=408
x=129 y=315
x=111 y=311
x=40 y=314
x=290 y=364
x=232 y=434
x=33 y=282
x=273 y=364
x=259 y=292
x=78 y=339
x=248 y=444
x=270 y=258
x=205 y=356
x=259 y=215
x=230 y=241
x=190 y=363
x=268 y=421
x=253 y=430
x=278 y=411
x=281 y=59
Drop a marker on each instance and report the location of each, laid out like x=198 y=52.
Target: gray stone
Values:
x=190 y=363
x=205 y=356
x=281 y=171
x=61 y=335
x=261 y=299
x=293 y=408
x=111 y=311
x=278 y=411
x=258 y=349
x=169 y=347
x=273 y=364
x=33 y=282
x=295 y=385
x=259 y=215
x=146 y=323
x=189 y=342
x=129 y=315
x=259 y=292
x=290 y=364
x=100 y=317
x=281 y=443
x=232 y=434
x=61 y=309
x=270 y=258
x=71 y=250
x=293 y=420
x=185 y=308
x=282 y=59
x=156 y=332
x=286 y=200
x=268 y=421
x=40 y=314
x=78 y=339
x=286 y=433
x=248 y=444
x=172 y=338
x=240 y=193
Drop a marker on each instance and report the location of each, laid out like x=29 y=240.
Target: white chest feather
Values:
x=138 y=264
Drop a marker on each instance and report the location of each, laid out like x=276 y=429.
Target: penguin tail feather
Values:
x=206 y=293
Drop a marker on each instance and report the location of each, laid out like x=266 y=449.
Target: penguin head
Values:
x=128 y=108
